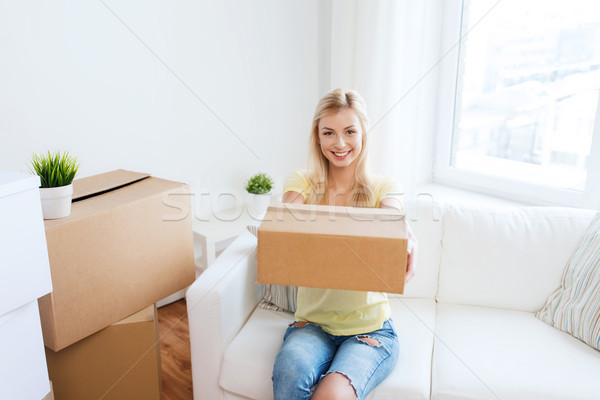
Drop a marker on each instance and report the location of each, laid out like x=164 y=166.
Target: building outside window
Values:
x=526 y=79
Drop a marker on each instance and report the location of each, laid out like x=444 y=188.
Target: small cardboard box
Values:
x=121 y=361
x=333 y=247
x=127 y=244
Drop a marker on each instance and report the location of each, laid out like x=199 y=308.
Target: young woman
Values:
x=342 y=343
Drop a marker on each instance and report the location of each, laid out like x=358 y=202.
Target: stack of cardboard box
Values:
x=127 y=244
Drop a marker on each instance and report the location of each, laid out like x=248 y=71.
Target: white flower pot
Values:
x=56 y=201
x=258 y=204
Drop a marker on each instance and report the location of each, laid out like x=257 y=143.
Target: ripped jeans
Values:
x=308 y=354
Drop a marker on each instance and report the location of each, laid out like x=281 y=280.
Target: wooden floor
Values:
x=176 y=363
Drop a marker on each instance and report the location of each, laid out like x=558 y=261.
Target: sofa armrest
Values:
x=219 y=303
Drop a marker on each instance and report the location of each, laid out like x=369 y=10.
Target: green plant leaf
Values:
x=54 y=170
x=260 y=183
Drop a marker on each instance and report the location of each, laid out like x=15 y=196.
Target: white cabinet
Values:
x=24 y=277
x=24 y=267
x=23 y=370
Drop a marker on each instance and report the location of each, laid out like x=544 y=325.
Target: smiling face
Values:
x=340 y=137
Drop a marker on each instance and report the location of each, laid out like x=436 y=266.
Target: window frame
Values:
x=443 y=173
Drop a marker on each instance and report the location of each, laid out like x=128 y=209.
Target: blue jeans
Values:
x=308 y=354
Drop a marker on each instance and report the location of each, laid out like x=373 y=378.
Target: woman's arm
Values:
x=412 y=243
x=292 y=197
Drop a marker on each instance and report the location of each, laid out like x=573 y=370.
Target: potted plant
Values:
x=259 y=186
x=56 y=172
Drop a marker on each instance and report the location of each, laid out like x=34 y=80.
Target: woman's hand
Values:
x=411 y=248
x=412 y=244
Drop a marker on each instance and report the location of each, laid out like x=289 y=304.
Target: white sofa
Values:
x=466 y=323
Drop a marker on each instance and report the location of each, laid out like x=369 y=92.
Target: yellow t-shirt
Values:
x=343 y=312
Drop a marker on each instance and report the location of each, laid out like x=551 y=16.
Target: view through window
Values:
x=527 y=93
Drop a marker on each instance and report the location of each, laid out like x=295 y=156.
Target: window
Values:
x=524 y=80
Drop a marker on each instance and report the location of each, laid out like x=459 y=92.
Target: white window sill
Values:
x=448 y=194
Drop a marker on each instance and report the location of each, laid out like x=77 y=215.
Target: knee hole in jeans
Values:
x=369 y=340
x=300 y=324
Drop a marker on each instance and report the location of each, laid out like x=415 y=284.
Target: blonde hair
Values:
x=362 y=194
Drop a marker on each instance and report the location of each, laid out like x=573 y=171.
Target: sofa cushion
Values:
x=575 y=306
x=248 y=361
x=509 y=258
x=484 y=353
x=414 y=321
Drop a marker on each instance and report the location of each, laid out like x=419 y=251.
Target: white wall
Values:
x=208 y=92
x=203 y=92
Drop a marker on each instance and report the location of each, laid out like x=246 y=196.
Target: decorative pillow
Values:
x=276 y=297
x=253 y=229
x=279 y=298
x=575 y=306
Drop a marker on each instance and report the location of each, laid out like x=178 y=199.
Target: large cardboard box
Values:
x=333 y=247
x=127 y=244
x=119 y=362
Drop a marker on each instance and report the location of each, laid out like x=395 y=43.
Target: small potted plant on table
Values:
x=259 y=186
x=56 y=172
